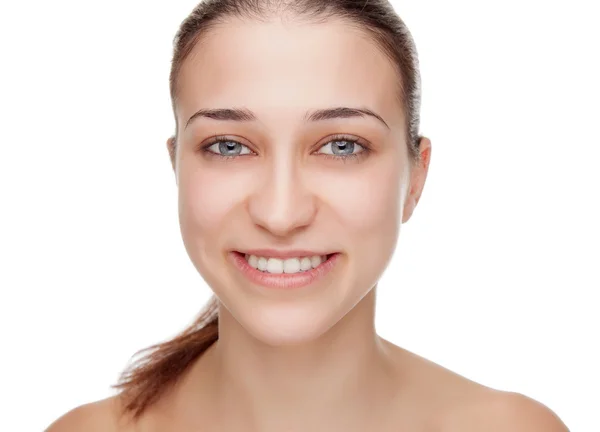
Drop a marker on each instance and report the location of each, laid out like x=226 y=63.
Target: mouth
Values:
x=289 y=272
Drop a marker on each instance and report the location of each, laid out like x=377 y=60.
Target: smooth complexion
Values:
x=305 y=359
x=288 y=193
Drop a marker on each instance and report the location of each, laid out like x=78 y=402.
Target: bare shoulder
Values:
x=98 y=416
x=501 y=411
x=446 y=401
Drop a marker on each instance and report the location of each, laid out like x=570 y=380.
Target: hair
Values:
x=161 y=365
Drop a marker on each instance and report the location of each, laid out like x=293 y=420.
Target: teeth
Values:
x=274 y=265
x=305 y=264
x=253 y=261
x=262 y=264
x=290 y=265
x=315 y=260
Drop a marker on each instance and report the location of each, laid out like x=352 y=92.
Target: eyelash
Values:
x=339 y=137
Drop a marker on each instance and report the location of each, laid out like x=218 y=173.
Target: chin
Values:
x=279 y=325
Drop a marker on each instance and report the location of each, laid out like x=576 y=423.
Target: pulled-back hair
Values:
x=160 y=366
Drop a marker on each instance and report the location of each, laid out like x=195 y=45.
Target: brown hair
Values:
x=161 y=365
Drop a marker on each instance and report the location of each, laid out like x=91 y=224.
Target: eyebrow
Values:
x=245 y=115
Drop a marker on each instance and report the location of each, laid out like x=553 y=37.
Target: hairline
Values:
x=288 y=14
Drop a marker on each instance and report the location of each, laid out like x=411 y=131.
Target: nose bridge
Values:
x=282 y=203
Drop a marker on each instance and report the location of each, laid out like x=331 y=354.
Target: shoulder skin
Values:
x=505 y=412
x=99 y=416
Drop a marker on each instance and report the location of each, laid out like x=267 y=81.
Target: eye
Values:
x=227 y=148
x=342 y=147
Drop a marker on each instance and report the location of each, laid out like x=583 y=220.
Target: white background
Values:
x=495 y=277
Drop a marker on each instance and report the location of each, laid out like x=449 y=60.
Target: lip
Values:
x=283 y=280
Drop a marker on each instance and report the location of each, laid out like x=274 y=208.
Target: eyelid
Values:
x=218 y=138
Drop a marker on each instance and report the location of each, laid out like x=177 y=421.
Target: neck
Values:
x=341 y=381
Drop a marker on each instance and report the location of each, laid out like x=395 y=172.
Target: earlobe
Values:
x=409 y=206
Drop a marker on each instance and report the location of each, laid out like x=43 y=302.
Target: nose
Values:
x=282 y=203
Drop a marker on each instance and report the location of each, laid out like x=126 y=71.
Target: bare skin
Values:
x=414 y=394
x=434 y=400
x=302 y=360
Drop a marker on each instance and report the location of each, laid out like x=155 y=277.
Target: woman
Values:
x=297 y=157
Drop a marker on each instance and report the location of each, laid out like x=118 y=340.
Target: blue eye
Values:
x=228 y=148
x=342 y=147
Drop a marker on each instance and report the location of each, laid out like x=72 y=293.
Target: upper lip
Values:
x=274 y=253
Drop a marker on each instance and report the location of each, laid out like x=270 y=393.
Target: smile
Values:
x=280 y=272
x=288 y=265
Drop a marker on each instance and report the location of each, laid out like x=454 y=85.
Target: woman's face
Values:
x=281 y=180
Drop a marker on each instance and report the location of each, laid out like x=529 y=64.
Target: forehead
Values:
x=284 y=69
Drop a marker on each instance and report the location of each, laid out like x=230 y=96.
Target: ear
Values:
x=172 y=150
x=417 y=178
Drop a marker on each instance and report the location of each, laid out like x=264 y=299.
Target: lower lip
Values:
x=283 y=280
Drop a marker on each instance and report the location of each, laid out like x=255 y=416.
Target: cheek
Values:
x=207 y=196
x=366 y=201
x=367 y=208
